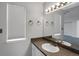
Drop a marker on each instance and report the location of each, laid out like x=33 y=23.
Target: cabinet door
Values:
x=36 y=52
x=16 y=22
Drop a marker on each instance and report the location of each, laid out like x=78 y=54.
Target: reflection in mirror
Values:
x=64 y=30
x=52 y=26
x=71 y=27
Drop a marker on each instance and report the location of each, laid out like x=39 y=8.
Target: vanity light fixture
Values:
x=64 y=3
x=52 y=6
x=56 y=6
x=46 y=10
x=51 y=9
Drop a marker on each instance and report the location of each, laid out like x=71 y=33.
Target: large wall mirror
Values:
x=71 y=27
x=65 y=26
x=52 y=23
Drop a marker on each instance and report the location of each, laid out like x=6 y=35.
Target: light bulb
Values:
x=61 y=4
x=49 y=9
x=55 y=7
x=58 y=4
x=52 y=8
x=46 y=10
x=64 y=3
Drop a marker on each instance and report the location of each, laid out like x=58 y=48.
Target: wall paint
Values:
x=3 y=22
x=34 y=12
x=18 y=48
x=22 y=48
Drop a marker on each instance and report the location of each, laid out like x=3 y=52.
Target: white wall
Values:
x=11 y=48
x=34 y=11
x=3 y=22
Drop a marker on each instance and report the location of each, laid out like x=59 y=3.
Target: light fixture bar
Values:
x=56 y=6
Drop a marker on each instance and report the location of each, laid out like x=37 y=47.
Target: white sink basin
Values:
x=66 y=43
x=50 y=48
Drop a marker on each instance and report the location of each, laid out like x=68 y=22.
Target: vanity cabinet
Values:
x=36 y=52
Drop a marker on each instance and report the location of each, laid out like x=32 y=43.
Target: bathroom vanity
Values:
x=65 y=27
x=36 y=51
x=38 y=42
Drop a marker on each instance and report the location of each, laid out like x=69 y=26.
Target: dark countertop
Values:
x=73 y=47
x=63 y=52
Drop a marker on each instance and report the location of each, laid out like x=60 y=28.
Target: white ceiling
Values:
x=72 y=13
